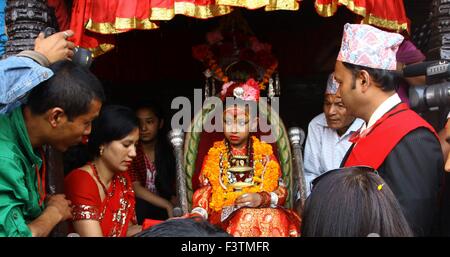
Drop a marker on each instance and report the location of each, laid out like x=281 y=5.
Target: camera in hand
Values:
x=436 y=92
x=81 y=56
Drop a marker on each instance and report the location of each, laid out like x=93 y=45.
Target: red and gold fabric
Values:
x=115 y=212
x=269 y=5
x=95 y=21
x=81 y=16
x=264 y=222
x=386 y=14
x=212 y=197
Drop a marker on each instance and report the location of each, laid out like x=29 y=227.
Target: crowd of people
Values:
x=372 y=165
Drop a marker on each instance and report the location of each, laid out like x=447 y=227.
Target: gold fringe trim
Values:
x=101 y=49
x=270 y=5
x=162 y=14
x=327 y=10
x=190 y=9
x=394 y=25
x=352 y=7
x=120 y=25
x=250 y=4
x=288 y=5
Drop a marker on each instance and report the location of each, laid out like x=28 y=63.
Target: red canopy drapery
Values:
x=95 y=21
x=385 y=14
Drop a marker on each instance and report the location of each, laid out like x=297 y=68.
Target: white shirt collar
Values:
x=386 y=106
x=355 y=125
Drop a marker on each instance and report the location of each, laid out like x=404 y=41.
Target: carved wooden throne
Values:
x=190 y=154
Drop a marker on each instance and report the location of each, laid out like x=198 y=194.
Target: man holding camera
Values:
x=59 y=104
x=394 y=140
x=21 y=73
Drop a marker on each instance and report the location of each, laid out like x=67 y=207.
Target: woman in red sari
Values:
x=101 y=191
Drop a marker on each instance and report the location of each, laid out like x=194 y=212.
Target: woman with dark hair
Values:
x=353 y=202
x=153 y=170
x=101 y=191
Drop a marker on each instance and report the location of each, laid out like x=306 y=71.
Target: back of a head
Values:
x=353 y=202
x=183 y=227
x=72 y=88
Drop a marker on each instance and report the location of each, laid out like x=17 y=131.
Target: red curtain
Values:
x=95 y=21
x=60 y=13
x=385 y=14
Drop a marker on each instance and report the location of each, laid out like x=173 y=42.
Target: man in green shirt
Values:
x=58 y=112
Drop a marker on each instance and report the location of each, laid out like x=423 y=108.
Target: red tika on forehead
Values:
x=235 y=111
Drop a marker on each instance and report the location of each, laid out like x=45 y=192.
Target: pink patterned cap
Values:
x=368 y=46
x=332 y=85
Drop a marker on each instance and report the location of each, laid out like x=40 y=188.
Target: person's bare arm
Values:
x=57 y=210
x=133 y=229
x=152 y=198
x=88 y=228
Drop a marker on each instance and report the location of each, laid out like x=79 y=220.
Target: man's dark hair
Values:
x=114 y=123
x=184 y=227
x=387 y=80
x=353 y=202
x=71 y=88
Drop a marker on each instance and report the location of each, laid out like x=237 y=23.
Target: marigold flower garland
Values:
x=265 y=177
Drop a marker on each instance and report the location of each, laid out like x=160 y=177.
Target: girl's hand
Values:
x=252 y=200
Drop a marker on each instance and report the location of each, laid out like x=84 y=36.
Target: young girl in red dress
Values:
x=242 y=189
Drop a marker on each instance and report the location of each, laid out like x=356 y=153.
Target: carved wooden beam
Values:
x=439 y=44
x=24 y=20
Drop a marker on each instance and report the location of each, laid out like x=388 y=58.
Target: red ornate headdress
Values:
x=233 y=49
x=248 y=91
